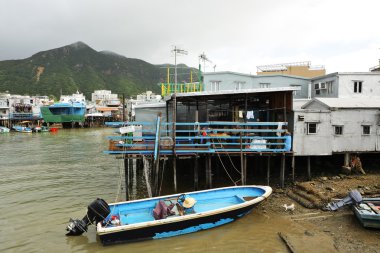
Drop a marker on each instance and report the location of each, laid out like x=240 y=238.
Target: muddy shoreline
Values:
x=325 y=231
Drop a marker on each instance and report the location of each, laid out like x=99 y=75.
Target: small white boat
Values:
x=4 y=129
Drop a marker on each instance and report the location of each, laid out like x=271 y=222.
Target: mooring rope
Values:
x=224 y=166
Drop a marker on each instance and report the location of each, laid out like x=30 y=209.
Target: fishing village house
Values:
x=339 y=112
x=15 y=108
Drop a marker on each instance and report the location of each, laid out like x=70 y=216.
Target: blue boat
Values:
x=368 y=212
x=171 y=215
x=23 y=127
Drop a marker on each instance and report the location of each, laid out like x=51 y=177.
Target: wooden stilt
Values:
x=196 y=173
x=175 y=173
x=293 y=167
x=282 y=171
x=308 y=168
x=268 y=170
x=347 y=159
x=208 y=172
x=126 y=175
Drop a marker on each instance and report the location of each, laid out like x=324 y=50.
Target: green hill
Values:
x=79 y=67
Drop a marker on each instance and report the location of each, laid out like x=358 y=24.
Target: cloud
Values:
x=235 y=35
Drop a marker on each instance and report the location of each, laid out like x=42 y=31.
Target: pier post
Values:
x=126 y=175
x=208 y=172
x=293 y=167
x=282 y=171
x=196 y=173
x=268 y=169
x=175 y=173
x=308 y=168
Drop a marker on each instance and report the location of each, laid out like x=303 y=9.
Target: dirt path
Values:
x=324 y=231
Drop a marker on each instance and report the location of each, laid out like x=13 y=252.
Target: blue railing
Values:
x=199 y=137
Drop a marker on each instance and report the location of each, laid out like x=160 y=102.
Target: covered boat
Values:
x=368 y=212
x=171 y=215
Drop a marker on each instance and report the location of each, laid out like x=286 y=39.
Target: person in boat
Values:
x=185 y=204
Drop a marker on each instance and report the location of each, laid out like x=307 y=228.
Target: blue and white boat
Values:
x=152 y=218
x=23 y=127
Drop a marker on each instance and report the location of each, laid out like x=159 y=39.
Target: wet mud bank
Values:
x=324 y=231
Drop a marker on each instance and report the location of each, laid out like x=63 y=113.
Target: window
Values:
x=264 y=85
x=239 y=85
x=215 y=85
x=358 y=86
x=296 y=92
x=338 y=130
x=329 y=87
x=366 y=130
x=311 y=128
x=317 y=92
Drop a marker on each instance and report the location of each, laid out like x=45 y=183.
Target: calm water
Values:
x=47 y=178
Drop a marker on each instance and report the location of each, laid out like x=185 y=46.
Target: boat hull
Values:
x=367 y=216
x=178 y=225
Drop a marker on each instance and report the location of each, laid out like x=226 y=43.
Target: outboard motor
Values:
x=353 y=197
x=97 y=211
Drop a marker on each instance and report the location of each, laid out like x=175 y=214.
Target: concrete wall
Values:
x=233 y=81
x=312 y=144
x=343 y=85
x=325 y=141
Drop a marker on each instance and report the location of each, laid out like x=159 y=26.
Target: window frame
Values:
x=358 y=86
x=365 y=127
x=308 y=124
x=338 y=133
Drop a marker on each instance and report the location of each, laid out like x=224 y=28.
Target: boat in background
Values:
x=368 y=212
x=4 y=129
x=69 y=110
x=23 y=127
x=153 y=218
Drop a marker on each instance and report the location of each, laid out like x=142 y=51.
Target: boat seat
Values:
x=137 y=216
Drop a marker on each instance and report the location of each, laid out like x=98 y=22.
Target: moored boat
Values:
x=4 y=129
x=171 y=215
x=23 y=127
x=70 y=109
x=368 y=212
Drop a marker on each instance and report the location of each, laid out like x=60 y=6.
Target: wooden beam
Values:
x=308 y=168
x=175 y=173
x=126 y=175
x=293 y=167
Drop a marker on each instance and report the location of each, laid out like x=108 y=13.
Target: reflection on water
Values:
x=47 y=178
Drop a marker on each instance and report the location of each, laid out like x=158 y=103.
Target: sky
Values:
x=235 y=35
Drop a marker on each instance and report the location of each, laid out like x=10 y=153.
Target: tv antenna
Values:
x=203 y=57
x=176 y=51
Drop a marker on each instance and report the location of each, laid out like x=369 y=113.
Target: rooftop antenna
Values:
x=177 y=51
x=204 y=58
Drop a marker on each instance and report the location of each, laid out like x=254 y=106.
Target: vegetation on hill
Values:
x=78 y=67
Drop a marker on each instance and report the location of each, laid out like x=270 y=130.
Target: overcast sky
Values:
x=236 y=35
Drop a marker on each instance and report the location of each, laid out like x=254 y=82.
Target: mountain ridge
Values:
x=77 y=66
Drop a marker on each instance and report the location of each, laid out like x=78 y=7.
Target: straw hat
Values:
x=189 y=202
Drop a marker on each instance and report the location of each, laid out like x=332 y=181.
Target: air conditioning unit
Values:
x=322 y=86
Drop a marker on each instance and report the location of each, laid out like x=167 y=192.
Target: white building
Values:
x=327 y=126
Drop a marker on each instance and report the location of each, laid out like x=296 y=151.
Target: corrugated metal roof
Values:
x=230 y=92
x=367 y=102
